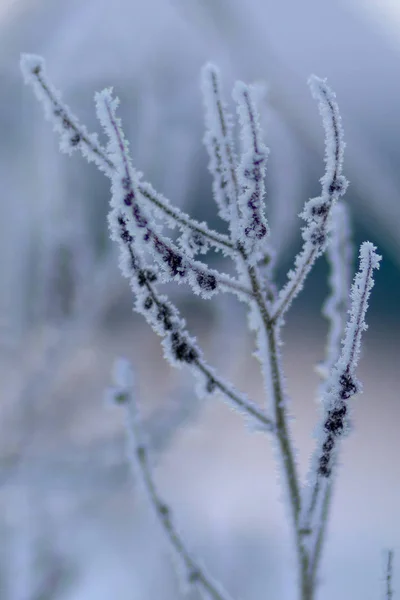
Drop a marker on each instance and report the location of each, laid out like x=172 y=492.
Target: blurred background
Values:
x=74 y=524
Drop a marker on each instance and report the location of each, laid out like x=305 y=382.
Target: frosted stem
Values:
x=317 y=211
x=74 y=136
x=334 y=425
x=219 y=143
x=195 y=575
x=253 y=228
x=174 y=263
x=389 y=575
x=179 y=347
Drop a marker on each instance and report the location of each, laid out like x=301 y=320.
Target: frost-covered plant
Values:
x=149 y=258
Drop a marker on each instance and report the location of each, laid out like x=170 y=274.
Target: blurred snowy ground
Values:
x=73 y=526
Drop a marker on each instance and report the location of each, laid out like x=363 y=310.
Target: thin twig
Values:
x=195 y=574
x=317 y=210
x=180 y=348
x=389 y=575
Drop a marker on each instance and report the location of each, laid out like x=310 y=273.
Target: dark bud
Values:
x=211 y=385
x=172 y=259
x=164 y=315
x=261 y=231
x=151 y=276
x=126 y=237
x=163 y=509
x=324 y=468
x=167 y=324
x=76 y=138
x=347 y=386
x=338 y=186
x=334 y=423
x=181 y=349
x=66 y=123
x=328 y=444
x=141 y=277
x=128 y=199
x=320 y=210
x=318 y=236
x=148 y=303
x=206 y=281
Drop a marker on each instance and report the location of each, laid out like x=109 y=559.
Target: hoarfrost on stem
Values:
x=334 y=424
x=194 y=574
x=251 y=175
x=149 y=258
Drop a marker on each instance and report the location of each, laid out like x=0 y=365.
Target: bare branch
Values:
x=74 y=136
x=389 y=574
x=317 y=211
x=174 y=264
x=164 y=318
x=335 y=424
x=195 y=575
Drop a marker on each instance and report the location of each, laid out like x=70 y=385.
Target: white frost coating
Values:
x=73 y=135
x=317 y=211
x=147 y=258
x=195 y=237
x=179 y=347
x=334 y=142
x=339 y=255
x=174 y=264
x=360 y=293
x=194 y=574
x=341 y=386
x=219 y=144
x=251 y=174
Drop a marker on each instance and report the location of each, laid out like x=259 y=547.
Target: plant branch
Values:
x=75 y=136
x=196 y=575
x=317 y=211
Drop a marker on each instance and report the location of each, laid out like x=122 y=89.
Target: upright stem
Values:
x=273 y=371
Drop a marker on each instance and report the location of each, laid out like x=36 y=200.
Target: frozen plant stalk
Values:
x=149 y=258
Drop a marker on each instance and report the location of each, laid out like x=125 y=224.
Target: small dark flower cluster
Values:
x=174 y=260
x=338 y=186
x=256 y=226
x=181 y=348
x=317 y=235
x=333 y=426
x=335 y=422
